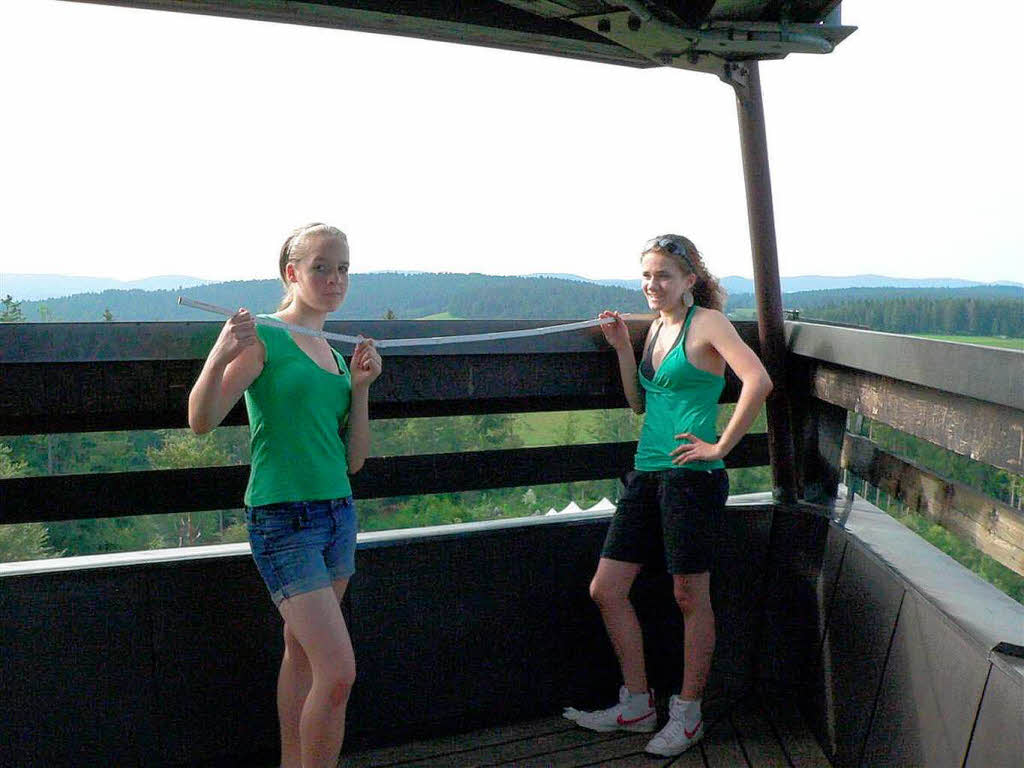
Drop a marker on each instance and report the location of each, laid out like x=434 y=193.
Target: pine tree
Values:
x=11 y=312
x=27 y=541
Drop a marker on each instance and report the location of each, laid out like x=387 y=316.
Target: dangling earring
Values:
x=687 y=298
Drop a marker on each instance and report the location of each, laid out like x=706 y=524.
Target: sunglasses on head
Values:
x=669 y=245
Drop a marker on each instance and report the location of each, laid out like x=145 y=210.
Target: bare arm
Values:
x=756 y=385
x=617 y=334
x=232 y=365
x=365 y=368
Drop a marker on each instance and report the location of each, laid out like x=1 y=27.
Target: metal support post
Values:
x=746 y=81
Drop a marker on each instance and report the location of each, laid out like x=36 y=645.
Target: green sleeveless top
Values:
x=296 y=411
x=680 y=398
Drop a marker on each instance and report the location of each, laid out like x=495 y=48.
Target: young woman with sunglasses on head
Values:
x=678 y=484
x=309 y=421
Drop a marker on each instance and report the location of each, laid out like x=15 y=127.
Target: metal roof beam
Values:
x=687 y=48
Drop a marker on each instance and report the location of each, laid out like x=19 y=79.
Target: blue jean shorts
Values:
x=300 y=546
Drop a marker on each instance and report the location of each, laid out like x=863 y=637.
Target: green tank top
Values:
x=296 y=412
x=680 y=398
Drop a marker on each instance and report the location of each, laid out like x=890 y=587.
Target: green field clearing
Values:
x=987 y=341
x=552 y=428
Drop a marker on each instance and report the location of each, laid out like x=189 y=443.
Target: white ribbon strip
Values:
x=384 y=343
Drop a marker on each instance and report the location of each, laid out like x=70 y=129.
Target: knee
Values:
x=606 y=594
x=690 y=600
x=293 y=651
x=340 y=684
x=340 y=691
x=340 y=671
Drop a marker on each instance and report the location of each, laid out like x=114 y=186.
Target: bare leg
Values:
x=693 y=595
x=315 y=620
x=293 y=685
x=610 y=590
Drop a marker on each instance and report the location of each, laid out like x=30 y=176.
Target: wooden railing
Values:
x=964 y=398
x=59 y=378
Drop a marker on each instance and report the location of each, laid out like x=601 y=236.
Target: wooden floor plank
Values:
x=645 y=761
x=419 y=750
x=691 y=758
x=739 y=735
x=756 y=736
x=515 y=751
x=599 y=753
x=720 y=746
x=797 y=740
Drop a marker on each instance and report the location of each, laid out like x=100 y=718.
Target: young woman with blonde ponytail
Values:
x=309 y=421
x=678 y=484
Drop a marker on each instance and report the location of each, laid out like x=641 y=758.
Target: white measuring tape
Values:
x=428 y=341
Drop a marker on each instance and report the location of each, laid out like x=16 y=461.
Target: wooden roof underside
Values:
x=698 y=35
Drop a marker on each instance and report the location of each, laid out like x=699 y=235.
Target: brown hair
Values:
x=294 y=249
x=707 y=291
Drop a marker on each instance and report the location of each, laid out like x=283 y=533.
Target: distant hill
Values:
x=409 y=296
x=33 y=287
x=812 y=300
x=977 y=309
x=736 y=285
x=36 y=287
x=826 y=282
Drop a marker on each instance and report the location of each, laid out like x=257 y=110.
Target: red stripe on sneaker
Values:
x=691 y=734
x=620 y=721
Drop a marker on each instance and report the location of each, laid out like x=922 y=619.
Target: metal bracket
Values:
x=704 y=49
x=736 y=74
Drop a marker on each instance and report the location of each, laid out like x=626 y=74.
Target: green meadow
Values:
x=987 y=341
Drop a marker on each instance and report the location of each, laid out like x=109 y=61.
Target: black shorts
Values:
x=665 y=517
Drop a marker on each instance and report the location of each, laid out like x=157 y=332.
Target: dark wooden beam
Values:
x=983 y=373
x=65 y=377
x=818 y=430
x=489 y=24
x=986 y=432
x=120 y=494
x=993 y=527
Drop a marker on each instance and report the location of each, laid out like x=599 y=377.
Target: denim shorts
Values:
x=300 y=546
x=667 y=517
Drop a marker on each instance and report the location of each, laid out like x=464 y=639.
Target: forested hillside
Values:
x=977 y=310
x=993 y=310
x=467 y=296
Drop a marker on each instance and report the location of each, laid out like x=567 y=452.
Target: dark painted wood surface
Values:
x=910 y=729
x=755 y=730
x=488 y=23
x=566 y=28
x=76 y=378
x=118 y=494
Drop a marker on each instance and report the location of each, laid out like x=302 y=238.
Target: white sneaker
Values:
x=634 y=712
x=675 y=738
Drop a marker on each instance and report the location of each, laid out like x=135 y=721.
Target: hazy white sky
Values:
x=138 y=143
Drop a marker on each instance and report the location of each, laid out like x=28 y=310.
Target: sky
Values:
x=139 y=143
